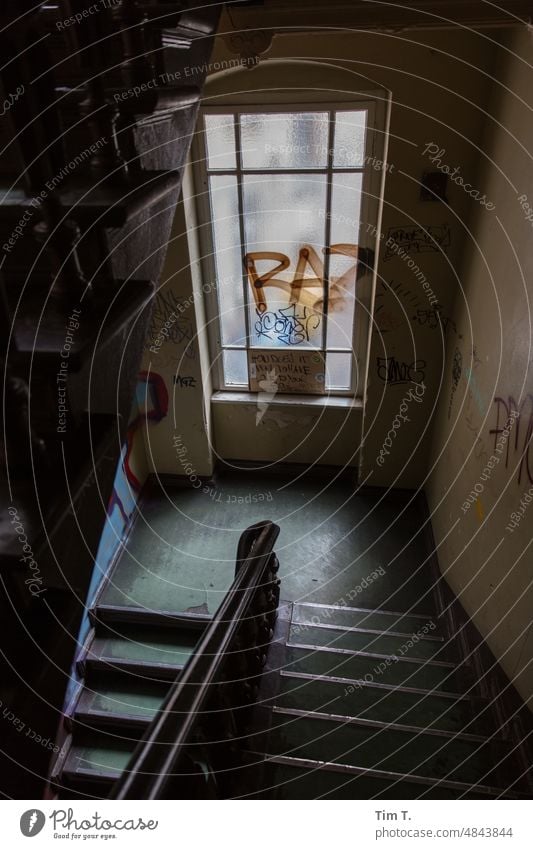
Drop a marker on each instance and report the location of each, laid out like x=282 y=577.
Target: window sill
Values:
x=338 y=401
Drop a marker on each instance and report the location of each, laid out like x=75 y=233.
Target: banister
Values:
x=228 y=657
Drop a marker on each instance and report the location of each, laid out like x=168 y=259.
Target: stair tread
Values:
x=141 y=701
x=40 y=329
x=149 y=646
x=309 y=613
x=299 y=778
x=385 y=748
x=390 y=705
x=114 y=615
x=384 y=725
x=91 y=757
x=356 y=666
x=381 y=643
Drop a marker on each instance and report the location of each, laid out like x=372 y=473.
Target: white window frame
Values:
x=371 y=191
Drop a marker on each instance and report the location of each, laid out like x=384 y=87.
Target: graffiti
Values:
x=393 y=372
x=418 y=240
x=517 y=449
x=388 y=319
x=287 y=325
x=457 y=368
x=184 y=382
x=299 y=288
x=168 y=323
x=433 y=318
x=152 y=403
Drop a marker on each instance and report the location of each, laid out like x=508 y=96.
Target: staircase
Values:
x=365 y=709
x=361 y=710
x=353 y=702
x=133 y=665
x=126 y=669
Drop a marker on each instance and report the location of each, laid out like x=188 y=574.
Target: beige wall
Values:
x=475 y=488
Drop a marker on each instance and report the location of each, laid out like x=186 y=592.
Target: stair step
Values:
x=94 y=757
x=385 y=748
x=40 y=329
x=360 y=640
x=295 y=778
x=116 y=615
x=360 y=617
x=114 y=705
x=384 y=670
x=387 y=704
x=151 y=654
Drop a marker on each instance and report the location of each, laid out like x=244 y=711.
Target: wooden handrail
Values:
x=205 y=712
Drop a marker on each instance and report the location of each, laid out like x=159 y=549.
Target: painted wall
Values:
x=481 y=486
x=176 y=356
x=131 y=474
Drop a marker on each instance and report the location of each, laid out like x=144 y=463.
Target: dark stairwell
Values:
x=365 y=692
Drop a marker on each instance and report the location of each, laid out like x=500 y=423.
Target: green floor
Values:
x=335 y=546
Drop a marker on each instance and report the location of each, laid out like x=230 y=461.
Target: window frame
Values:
x=371 y=192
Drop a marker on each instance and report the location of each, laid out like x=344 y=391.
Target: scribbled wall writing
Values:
x=290 y=325
x=169 y=323
x=519 y=442
x=457 y=368
x=433 y=318
x=391 y=300
x=184 y=382
x=434 y=238
x=393 y=372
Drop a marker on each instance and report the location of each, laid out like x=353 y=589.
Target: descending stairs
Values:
x=362 y=710
x=126 y=670
x=355 y=702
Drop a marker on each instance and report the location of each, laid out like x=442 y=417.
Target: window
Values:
x=285 y=193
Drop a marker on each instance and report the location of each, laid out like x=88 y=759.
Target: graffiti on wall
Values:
x=170 y=323
x=433 y=318
x=393 y=372
x=433 y=238
x=388 y=318
x=457 y=368
x=519 y=443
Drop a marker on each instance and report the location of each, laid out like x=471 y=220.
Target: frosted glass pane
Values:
x=284 y=222
x=235 y=365
x=344 y=238
x=349 y=146
x=228 y=264
x=338 y=371
x=285 y=140
x=220 y=141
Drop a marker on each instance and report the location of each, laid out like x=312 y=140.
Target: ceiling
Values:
x=307 y=15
